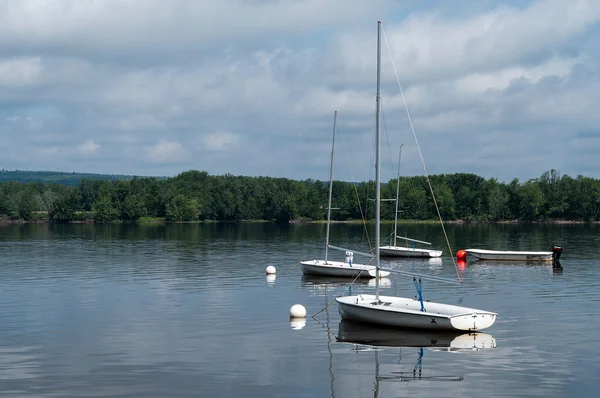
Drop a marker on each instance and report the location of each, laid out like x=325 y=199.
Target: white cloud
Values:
x=23 y=71
x=167 y=152
x=501 y=79
x=220 y=140
x=148 y=79
x=88 y=147
x=154 y=27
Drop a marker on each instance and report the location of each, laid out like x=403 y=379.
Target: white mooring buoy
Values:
x=297 y=311
x=271 y=269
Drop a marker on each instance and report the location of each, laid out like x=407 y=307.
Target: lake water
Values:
x=187 y=311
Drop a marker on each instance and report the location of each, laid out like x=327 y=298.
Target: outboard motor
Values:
x=556 y=252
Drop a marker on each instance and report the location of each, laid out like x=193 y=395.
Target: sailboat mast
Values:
x=377 y=168
x=330 y=188
x=397 y=196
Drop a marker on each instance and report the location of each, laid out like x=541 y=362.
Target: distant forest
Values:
x=196 y=195
x=56 y=177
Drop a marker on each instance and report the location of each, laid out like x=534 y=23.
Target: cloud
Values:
x=17 y=72
x=167 y=152
x=172 y=86
x=88 y=147
x=220 y=141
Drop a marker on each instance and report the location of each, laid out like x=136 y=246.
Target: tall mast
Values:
x=330 y=188
x=397 y=196
x=377 y=169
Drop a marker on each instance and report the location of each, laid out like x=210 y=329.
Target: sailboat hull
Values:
x=339 y=269
x=406 y=313
x=508 y=255
x=397 y=251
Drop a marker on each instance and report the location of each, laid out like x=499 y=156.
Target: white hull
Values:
x=398 y=251
x=454 y=340
x=406 y=313
x=340 y=269
x=482 y=254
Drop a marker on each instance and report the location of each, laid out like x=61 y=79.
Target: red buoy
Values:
x=461 y=255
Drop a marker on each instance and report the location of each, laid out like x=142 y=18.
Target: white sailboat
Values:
x=399 y=311
x=347 y=268
x=405 y=251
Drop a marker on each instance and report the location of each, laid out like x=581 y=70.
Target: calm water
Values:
x=186 y=310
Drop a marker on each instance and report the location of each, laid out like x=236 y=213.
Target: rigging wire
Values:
x=420 y=154
x=327 y=303
x=387 y=136
x=362 y=215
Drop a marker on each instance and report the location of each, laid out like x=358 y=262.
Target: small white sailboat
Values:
x=399 y=251
x=399 y=311
x=347 y=268
x=393 y=250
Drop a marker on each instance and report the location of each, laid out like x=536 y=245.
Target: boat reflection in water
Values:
x=323 y=283
x=330 y=281
x=350 y=332
x=363 y=336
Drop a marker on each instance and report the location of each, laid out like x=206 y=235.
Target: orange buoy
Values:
x=461 y=255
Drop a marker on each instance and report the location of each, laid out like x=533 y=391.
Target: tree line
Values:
x=197 y=196
x=57 y=177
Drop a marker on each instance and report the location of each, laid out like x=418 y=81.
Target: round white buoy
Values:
x=271 y=269
x=297 y=311
x=297 y=323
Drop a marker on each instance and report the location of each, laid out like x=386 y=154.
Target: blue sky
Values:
x=501 y=89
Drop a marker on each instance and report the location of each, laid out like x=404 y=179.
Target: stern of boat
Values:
x=473 y=321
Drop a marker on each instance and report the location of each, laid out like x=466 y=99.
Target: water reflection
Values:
x=435 y=261
x=364 y=336
x=297 y=323
x=555 y=265
x=349 y=332
x=321 y=284
x=271 y=279
x=331 y=281
x=383 y=283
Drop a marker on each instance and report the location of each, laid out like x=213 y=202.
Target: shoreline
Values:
x=149 y=220
x=556 y=222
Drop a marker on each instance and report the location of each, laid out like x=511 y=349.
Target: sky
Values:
x=501 y=89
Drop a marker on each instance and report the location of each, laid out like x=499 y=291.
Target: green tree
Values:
x=25 y=204
x=182 y=208
x=132 y=207
x=64 y=208
x=105 y=209
x=497 y=200
x=531 y=201
x=445 y=201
